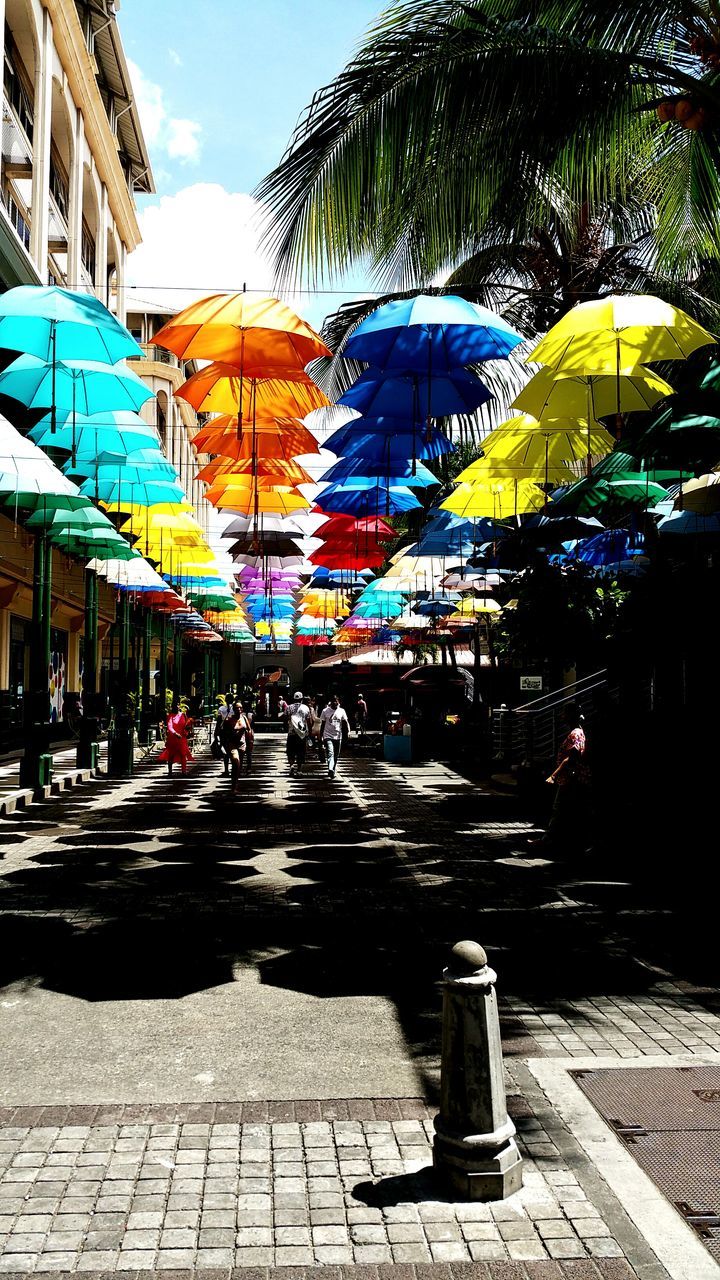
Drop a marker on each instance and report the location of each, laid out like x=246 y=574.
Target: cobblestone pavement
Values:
x=343 y=899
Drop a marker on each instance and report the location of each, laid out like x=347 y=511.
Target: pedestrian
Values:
x=249 y=733
x=176 y=750
x=235 y=728
x=569 y=820
x=217 y=749
x=361 y=715
x=335 y=726
x=315 y=727
x=298 y=728
x=283 y=712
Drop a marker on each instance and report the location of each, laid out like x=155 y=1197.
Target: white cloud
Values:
x=175 y=58
x=183 y=141
x=180 y=139
x=203 y=239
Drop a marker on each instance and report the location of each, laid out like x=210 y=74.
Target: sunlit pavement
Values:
x=179 y=960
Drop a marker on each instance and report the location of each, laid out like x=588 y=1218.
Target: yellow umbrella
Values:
x=496 y=499
x=553 y=395
x=540 y=451
x=472 y=608
x=613 y=335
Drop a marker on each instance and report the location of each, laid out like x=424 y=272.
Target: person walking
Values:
x=361 y=715
x=298 y=727
x=235 y=729
x=315 y=727
x=176 y=750
x=335 y=726
x=249 y=733
x=570 y=817
x=223 y=709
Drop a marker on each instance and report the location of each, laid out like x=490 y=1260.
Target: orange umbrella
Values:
x=217 y=389
x=277 y=500
x=235 y=330
x=284 y=471
x=278 y=438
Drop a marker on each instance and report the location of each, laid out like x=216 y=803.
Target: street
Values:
x=178 y=960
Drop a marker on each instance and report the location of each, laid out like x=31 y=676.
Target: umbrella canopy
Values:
x=218 y=389
x=284 y=470
x=362 y=500
x=413 y=398
x=361 y=470
x=615 y=334
x=278 y=438
x=436 y=333
x=472 y=608
x=702 y=496
x=85 y=388
x=688 y=524
x=388 y=439
x=609 y=547
x=531 y=446
x=497 y=499
x=594 y=495
x=119 y=431
x=244 y=332
x=138 y=493
x=549 y=395
x=57 y=324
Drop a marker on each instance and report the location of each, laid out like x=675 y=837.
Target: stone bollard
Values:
x=474 y=1146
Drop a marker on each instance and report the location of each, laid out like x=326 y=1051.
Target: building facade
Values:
x=73 y=153
x=73 y=159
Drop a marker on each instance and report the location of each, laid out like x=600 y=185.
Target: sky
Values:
x=220 y=86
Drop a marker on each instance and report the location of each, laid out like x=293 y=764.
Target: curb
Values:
x=25 y=796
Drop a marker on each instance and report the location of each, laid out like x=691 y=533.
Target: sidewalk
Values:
x=221 y=1027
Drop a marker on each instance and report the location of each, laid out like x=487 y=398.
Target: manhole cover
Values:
x=669 y=1120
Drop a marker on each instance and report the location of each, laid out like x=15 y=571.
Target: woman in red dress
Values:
x=176 y=750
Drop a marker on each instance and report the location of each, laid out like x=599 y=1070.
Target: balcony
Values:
x=17 y=150
x=158 y=354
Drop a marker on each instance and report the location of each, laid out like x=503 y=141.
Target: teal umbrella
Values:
x=84 y=387
x=117 y=432
x=140 y=493
x=56 y=324
x=141 y=465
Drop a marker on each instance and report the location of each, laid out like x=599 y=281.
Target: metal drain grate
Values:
x=669 y=1120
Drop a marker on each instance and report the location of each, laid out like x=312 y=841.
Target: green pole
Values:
x=88 y=750
x=120 y=747
x=146 y=713
x=36 y=764
x=162 y=666
x=207 y=688
x=177 y=663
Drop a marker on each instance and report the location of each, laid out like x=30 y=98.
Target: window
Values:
x=17 y=216
x=16 y=91
x=87 y=251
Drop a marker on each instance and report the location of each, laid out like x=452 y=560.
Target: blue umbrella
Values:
x=413 y=397
x=688 y=524
x=364 y=501
x=439 y=333
x=373 y=437
x=142 y=494
x=609 y=547
x=56 y=324
x=361 y=470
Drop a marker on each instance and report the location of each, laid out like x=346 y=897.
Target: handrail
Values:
x=567 y=691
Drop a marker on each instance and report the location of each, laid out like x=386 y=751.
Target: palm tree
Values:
x=461 y=123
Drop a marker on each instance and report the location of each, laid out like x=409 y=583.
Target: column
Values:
x=76 y=204
x=88 y=750
x=2 y=64
x=121 y=271
x=41 y=150
x=36 y=764
x=177 y=663
x=101 y=257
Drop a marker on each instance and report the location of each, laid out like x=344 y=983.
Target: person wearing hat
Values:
x=299 y=723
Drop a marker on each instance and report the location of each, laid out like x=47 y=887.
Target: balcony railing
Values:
x=159 y=354
x=17 y=150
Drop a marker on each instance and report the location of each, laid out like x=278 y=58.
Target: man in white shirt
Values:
x=334 y=725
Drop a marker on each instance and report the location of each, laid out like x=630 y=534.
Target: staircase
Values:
x=530 y=734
